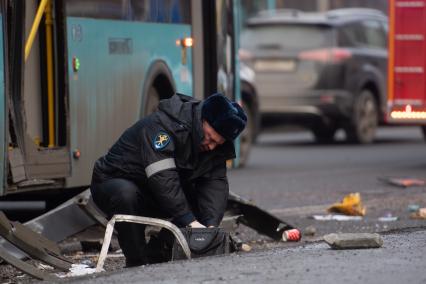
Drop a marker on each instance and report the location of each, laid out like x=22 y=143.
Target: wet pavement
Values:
x=295 y=179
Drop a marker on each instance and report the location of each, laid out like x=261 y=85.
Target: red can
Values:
x=292 y=235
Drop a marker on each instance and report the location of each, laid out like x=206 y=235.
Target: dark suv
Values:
x=324 y=71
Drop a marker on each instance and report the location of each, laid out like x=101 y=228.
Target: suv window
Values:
x=374 y=34
x=287 y=37
x=369 y=33
x=351 y=35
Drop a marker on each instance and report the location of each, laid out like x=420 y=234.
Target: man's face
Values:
x=212 y=139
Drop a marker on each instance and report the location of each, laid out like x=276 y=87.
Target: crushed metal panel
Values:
x=65 y=220
x=256 y=218
x=25 y=267
x=88 y=205
x=16 y=165
x=44 y=163
x=32 y=243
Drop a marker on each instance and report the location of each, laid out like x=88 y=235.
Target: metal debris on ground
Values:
x=336 y=217
x=403 y=182
x=79 y=213
x=353 y=240
x=350 y=205
x=256 y=218
x=139 y=220
x=419 y=214
x=29 y=243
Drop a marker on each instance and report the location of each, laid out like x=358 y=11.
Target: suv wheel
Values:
x=324 y=134
x=424 y=131
x=246 y=137
x=363 y=125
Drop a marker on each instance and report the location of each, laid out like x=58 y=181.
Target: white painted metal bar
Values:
x=140 y=220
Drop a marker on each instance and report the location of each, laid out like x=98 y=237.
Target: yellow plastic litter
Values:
x=420 y=214
x=350 y=205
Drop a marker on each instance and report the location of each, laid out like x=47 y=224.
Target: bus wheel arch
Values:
x=159 y=84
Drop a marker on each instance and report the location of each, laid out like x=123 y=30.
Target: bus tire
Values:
x=363 y=125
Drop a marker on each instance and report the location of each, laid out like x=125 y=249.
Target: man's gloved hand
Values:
x=196 y=224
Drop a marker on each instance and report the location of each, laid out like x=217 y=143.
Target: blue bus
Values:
x=75 y=73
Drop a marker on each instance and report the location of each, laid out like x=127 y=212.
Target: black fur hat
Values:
x=226 y=117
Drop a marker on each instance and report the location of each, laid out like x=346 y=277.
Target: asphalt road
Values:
x=400 y=260
x=294 y=178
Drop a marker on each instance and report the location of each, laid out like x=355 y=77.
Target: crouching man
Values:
x=170 y=164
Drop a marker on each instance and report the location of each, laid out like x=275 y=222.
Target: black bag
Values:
x=202 y=242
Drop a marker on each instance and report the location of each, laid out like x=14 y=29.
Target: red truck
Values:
x=407 y=63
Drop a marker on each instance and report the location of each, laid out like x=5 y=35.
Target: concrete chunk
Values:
x=353 y=241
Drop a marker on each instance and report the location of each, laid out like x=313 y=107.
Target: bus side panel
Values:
x=2 y=111
x=105 y=93
x=410 y=57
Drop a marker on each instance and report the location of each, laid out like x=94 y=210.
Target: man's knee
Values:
x=124 y=197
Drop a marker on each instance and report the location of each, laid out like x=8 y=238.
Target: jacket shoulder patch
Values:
x=161 y=140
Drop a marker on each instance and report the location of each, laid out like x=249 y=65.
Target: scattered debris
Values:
x=403 y=182
x=335 y=217
x=44 y=266
x=388 y=218
x=419 y=214
x=350 y=205
x=413 y=208
x=39 y=237
x=310 y=231
x=77 y=270
x=353 y=241
x=238 y=244
x=246 y=248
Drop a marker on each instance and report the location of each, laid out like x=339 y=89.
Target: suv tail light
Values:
x=327 y=55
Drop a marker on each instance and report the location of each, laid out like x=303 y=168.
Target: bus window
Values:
x=99 y=9
x=154 y=11
x=161 y=11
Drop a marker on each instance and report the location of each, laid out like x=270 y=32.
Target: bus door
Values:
x=2 y=101
x=37 y=148
x=221 y=66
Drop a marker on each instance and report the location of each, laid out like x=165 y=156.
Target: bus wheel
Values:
x=152 y=100
x=363 y=125
x=246 y=137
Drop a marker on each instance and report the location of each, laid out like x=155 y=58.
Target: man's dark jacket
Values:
x=181 y=179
